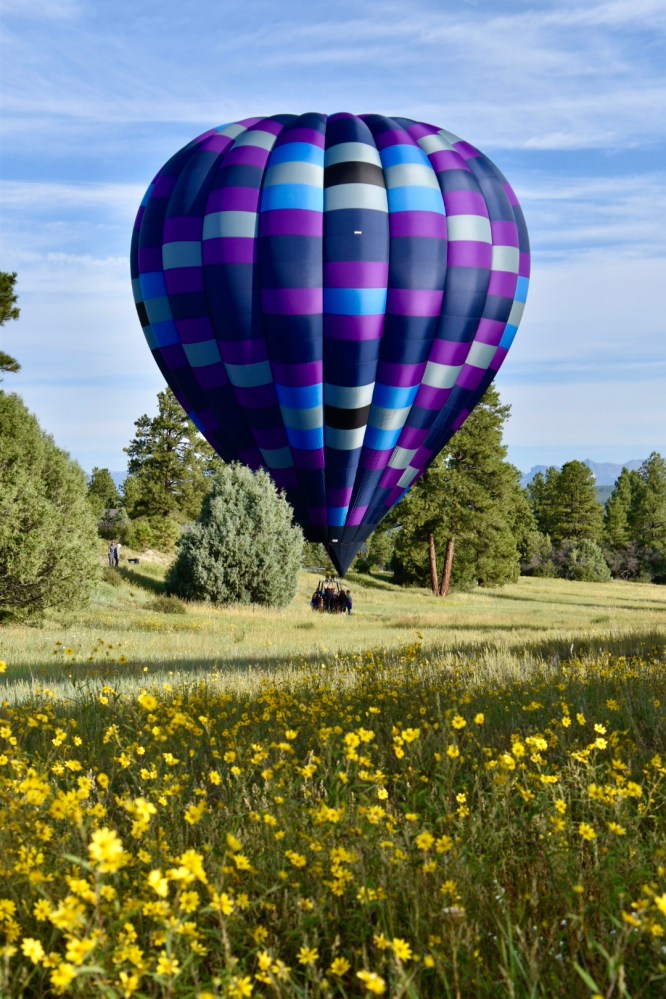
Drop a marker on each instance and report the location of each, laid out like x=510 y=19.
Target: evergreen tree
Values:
x=8 y=310
x=244 y=547
x=48 y=536
x=102 y=492
x=169 y=466
x=577 y=513
x=542 y=496
x=647 y=515
x=617 y=531
x=466 y=498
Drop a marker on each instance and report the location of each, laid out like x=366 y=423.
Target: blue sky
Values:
x=567 y=97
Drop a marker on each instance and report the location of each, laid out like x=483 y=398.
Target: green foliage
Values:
x=243 y=548
x=378 y=551
x=471 y=493
x=47 y=529
x=170 y=464
x=577 y=513
x=102 y=492
x=617 y=532
x=161 y=533
x=8 y=310
x=585 y=562
x=315 y=556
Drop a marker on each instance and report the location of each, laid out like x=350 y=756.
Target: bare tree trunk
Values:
x=448 y=565
x=433 y=564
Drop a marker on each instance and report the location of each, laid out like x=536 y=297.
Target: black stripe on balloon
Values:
x=353 y=172
x=345 y=419
x=143 y=315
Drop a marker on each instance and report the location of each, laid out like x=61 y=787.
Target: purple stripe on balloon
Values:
x=292 y=301
x=468 y=253
x=502 y=283
x=284 y=478
x=182 y=227
x=173 y=357
x=449 y=352
x=356 y=274
x=195 y=330
x=427 y=224
x=233 y=199
x=460 y=419
x=393 y=137
x=467 y=151
x=204 y=135
x=524 y=265
x=447 y=159
x=470 y=377
x=414 y=302
x=217 y=143
x=309 y=135
x=372 y=460
x=511 y=194
x=164 y=185
x=430 y=397
x=465 y=203
x=339 y=497
x=295 y=375
x=230 y=250
x=356 y=515
x=246 y=156
x=267 y=125
x=150 y=260
x=399 y=375
x=498 y=359
x=243 y=351
x=420 y=128
x=490 y=331
x=182 y=280
x=257 y=397
x=251 y=457
x=413 y=437
x=271 y=438
x=291 y=222
x=504 y=233
x=318 y=515
x=393 y=496
x=309 y=459
x=390 y=477
x=353 y=327
x=211 y=376
x=249 y=122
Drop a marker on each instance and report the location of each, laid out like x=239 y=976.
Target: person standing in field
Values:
x=112 y=553
x=116 y=556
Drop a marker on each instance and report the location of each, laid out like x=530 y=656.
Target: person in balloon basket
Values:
x=348 y=601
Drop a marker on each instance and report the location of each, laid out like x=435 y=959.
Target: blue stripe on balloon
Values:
x=355 y=301
x=158 y=309
x=393 y=396
x=200 y=355
x=521 y=289
x=303 y=152
x=300 y=397
x=508 y=336
x=415 y=199
x=165 y=334
x=301 y=196
x=381 y=440
x=395 y=155
x=152 y=285
x=306 y=440
x=336 y=515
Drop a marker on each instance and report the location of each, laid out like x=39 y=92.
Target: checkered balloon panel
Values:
x=329 y=296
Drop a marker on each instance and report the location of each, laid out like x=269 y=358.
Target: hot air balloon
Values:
x=329 y=296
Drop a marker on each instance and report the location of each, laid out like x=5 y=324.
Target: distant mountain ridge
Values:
x=605 y=472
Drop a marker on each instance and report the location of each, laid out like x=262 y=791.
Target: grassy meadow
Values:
x=456 y=798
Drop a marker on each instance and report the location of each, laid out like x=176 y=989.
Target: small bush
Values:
x=167 y=604
x=585 y=562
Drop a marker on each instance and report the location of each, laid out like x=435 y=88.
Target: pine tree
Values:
x=8 y=310
x=102 y=492
x=647 y=515
x=542 y=496
x=465 y=502
x=169 y=466
x=48 y=536
x=617 y=531
x=577 y=514
x=243 y=548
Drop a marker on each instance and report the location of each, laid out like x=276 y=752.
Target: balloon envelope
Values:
x=329 y=296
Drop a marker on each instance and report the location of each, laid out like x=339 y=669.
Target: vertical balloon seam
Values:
x=358 y=451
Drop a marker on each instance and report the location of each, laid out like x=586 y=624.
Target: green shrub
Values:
x=243 y=548
x=167 y=604
x=586 y=563
x=48 y=534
